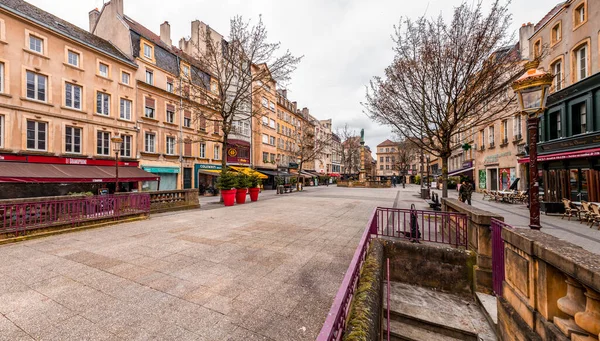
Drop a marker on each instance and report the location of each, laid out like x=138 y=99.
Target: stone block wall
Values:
x=162 y=201
x=551 y=289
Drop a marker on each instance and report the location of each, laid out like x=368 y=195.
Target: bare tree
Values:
x=349 y=149
x=309 y=146
x=447 y=78
x=229 y=74
x=405 y=155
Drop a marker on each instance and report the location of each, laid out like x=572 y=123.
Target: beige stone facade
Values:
x=264 y=128
x=386 y=158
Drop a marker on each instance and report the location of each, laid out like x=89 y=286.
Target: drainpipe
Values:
x=181 y=124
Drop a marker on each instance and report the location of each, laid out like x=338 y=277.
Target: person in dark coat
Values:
x=465 y=192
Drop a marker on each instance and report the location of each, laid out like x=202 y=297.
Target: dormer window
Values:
x=147 y=51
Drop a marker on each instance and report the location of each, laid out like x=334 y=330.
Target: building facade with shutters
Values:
x=386 y=155
x=62 y=98
x=176 y=140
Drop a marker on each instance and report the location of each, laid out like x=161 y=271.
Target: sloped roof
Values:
x=60 y=26
x=387 y=143
x=549 y=16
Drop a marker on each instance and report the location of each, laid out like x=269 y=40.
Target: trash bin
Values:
x=424 y=193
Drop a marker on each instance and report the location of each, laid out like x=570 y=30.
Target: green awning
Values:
x=155 y=170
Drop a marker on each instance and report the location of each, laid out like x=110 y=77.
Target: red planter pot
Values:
x=228 y=196
x=240 y=195
x=254 y=193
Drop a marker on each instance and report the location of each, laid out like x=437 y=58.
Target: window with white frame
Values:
x=272 y=106
x=1 y=77
x=125 y=76
x=147 y=51
x=149 y=77
x=581 y=63
x=73 y=140
x=265 y=138
x=272 y=123
x=265 y=102
x=170 y=86
x=102 y=103
x=265 y=120
x=73 y=58
x=517 y=127
x=187 y=122
x=36 y=135
x=126 y=145
x=265 y=157
x=149 y=143
x=73 y=96
x=272 y=140
x=203 y=150
x=580 y=14
x=36 y=86
x=558 y=75
x=505 y=131
x=491 y=133
x=170 y=114
x=170 y=150
x=103 y=143
x=186 y=70
x=125 y=109
x=103 y=69
x=36 y=44
x=149 y=108
x=217 y=155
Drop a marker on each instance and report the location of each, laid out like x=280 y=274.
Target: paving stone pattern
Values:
x=262 y=271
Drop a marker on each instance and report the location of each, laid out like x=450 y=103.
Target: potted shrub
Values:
x=293 y=182
x=279 y=181
x=242 y=182
x=226 y=184
x=254 y=187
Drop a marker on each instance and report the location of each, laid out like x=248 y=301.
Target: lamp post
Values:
x=428 y=180
x=532 y=91
x=116 y=142
x=276 y=180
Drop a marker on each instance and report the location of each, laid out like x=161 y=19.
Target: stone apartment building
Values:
x=323 y=132
x=171 y=142
x=288 y=125
x=386 y=158
x=64 y=93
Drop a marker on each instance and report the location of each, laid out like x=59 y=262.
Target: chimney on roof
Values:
x=525 y=32
x=305 y=112
x=295 y=106
x=284 y=93
x=94 y=15
x=118 y=6
x=165 y=33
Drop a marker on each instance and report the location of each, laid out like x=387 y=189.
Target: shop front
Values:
x=23 y=176
x=168 y=178
x=206 y=175
x=498 y=172
x=238 y=153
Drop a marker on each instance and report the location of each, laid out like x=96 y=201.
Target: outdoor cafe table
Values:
x=578 y=203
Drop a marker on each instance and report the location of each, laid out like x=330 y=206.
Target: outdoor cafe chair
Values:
x=570 y=211
x=585 y=213
x=595 y=218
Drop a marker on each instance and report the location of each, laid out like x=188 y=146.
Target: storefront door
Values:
x=168 y=181
x=494 y=179
x=187 y=178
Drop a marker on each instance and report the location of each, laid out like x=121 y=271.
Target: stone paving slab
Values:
x=262 y=271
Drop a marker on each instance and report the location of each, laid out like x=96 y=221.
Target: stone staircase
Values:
x=420 y=314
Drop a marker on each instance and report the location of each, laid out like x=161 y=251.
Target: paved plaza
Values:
x=262 y=271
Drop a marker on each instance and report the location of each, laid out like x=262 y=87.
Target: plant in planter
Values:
x=279 y=181
x=226 y=183
x=254 y=187
x=242 y=182
x=293 y=182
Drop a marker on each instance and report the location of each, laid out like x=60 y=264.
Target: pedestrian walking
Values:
x=465 y=192
x=394 y=181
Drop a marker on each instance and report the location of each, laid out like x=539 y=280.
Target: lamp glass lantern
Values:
x=532 y=89
x=117 y=141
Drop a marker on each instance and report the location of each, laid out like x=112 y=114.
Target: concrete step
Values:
x=489 y=304
x=437 y=328
x=408 y=332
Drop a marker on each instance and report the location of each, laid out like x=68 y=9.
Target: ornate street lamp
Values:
x=116 y=142
x=532 y=92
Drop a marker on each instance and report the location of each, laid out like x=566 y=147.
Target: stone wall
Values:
x=551 y=289
x=183 y=199
x=367 y=184
x=479 y=238
x=441 y=268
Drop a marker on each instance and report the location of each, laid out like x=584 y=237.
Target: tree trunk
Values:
x=298 y=180
x=224 y=152
x=444 y=177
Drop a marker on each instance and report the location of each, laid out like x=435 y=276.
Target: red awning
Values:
x=43 y=172
x=565 y=155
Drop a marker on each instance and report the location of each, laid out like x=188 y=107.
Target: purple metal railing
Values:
x=448 y=227
x=418 y=225
x=498 y=255
x=23 y=216
x=388 y=298
x=336 y=318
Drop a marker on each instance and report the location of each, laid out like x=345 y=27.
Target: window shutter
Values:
x=188 y=148
x=170 y=107
x=187 y=114
x=150 y=103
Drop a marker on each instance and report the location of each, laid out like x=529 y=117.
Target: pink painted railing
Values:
x=22 y=216
x=498 y=255
x=417 y=225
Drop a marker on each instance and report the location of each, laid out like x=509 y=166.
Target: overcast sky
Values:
x=344 y=42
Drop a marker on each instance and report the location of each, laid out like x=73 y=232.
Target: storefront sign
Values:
x=467 y=164
x=494 y=158
x=482 y=179
x=163 y=170
x=64 y=160
x=208 y=166
x=588 y=141
x=238 y=151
